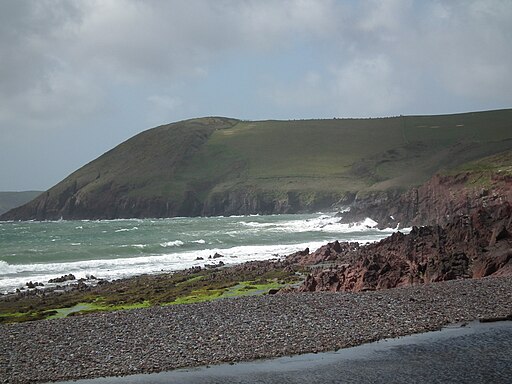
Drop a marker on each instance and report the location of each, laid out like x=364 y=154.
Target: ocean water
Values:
x=112 y=249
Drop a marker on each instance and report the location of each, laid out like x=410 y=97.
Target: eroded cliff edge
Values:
x=466 y=233
x=461 y=191
x=223 y=166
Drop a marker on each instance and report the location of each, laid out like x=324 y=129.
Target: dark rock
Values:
x=31 y=284
x=499 y=233
x=297 y=256
x=475 y=245
x=63 y=279
x=219 y=264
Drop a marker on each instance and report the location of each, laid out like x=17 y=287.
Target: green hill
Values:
x=222 y=166
x=10 y=200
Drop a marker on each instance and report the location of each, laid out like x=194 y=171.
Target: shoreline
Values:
x=363 y=362
x=161 y=246
x=159 y=339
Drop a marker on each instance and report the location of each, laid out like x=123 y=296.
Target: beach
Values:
x=464 y=354
x=159 y=339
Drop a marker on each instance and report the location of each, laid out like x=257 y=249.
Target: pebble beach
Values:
x=240 y=329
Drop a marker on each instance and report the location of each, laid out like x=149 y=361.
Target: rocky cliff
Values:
x=469 y=246
x=467 y=233
x=223 y=166
x=443 y=197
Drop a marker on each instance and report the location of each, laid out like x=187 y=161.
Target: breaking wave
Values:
x=159 y=245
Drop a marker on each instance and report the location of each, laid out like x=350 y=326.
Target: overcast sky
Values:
x=79 y=77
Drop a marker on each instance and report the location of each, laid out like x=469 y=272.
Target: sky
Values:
x=78 y=77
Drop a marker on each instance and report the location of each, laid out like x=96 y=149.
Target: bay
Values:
x=112 y=249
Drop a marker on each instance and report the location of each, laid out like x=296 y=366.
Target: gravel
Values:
x=241 y=329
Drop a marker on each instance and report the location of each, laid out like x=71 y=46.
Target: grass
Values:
x=482 y=172
x=500 y=163
x=243 y=288
x=186 y=168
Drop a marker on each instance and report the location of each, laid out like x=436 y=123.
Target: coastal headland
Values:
x=222 y=166
x=454 y=266
x=401 y=285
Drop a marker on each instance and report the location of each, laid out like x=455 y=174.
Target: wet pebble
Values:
x=229 y=330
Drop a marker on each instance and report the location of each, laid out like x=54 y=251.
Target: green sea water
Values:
x=111 y=249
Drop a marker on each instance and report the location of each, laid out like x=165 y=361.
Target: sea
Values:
x=38 y=251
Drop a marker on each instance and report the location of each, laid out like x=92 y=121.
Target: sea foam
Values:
x=167 y=244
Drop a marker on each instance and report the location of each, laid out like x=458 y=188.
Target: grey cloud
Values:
x=69 y=64
x=63 y=53
x=398 y=56
x=165 y=38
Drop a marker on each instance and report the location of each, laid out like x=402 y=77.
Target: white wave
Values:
x=6 y=268
x=138 y=246
x=322 y=227
x=175 y=243
x=323 y=223
x=258 y=225
x=133 y=220
x=126 y=229
x=15 y=276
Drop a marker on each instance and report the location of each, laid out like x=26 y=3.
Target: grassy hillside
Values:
x=9 y=200
x=227 y=166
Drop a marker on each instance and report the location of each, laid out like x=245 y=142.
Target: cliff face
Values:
x=113 y=203
x=437 y=201
x=251 y=201
x=469 y=246
x=223 y=166
x=135 y=179
x=466 y=233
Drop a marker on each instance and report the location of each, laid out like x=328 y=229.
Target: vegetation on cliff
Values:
x=469 y=209
x=461 y=190
x=221 y=166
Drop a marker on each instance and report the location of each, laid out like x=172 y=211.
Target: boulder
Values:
x=62 y=279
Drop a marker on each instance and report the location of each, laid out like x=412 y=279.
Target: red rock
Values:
x=474 y=245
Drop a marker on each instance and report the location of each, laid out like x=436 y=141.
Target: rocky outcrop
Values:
x=63 y=278
x=436 y=202
x=469 y=246
x=257 y=201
